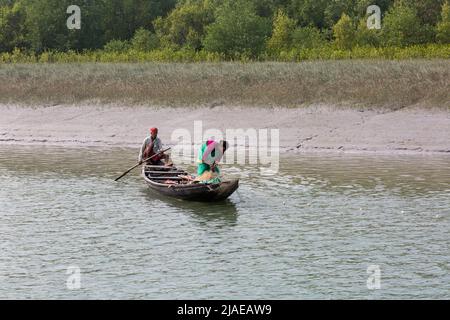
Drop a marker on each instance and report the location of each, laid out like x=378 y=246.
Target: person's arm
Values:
x=201 y=152
x=141 y=152
x=215 y=167
x=158 y=145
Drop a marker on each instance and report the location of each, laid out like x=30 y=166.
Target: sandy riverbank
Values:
x=312 y=129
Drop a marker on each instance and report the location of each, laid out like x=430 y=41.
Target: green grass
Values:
x=326 y=52
x=362 y=83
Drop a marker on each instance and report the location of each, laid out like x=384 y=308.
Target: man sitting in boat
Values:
x=151 y=146
x=209 y=155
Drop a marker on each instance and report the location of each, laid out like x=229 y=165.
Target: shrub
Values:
x=283 y=28
x=344 y=32
x=144 y=40
x=308 y=37
x=12 y=28
x=185 y=25
x=366 y=36
x=237 y=31
x=401 y=26
x=443 y=27
x=117 y=46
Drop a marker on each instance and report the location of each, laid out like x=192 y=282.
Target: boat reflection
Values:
x=222 y=213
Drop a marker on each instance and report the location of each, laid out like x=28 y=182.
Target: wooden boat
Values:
x=166 y=181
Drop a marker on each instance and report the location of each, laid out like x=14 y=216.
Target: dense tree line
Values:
x=229 y=27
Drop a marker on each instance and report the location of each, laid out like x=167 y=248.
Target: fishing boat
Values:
x=169 y=181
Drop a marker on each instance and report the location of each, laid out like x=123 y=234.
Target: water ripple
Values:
x=310 y=231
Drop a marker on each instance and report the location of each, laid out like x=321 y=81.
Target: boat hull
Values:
x=192 y=192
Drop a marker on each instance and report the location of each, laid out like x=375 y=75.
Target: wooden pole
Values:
x=143 y=161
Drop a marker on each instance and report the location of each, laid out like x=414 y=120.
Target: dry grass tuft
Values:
x=392 y=84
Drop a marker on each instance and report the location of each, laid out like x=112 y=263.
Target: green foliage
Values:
x=327 y=52
x=362 y=5
x=230 y=29
x=309 y=12
x=16 y=56
x=268 y=8
x=344 y=32
x=428 y=11
x=432 y=51
x=335 y=9
x=237 y=31
x=443 y=27
x=101 y=21
x=144 y=40
x=117 y=46
x=121 y=18
x=185 y=25
x=46 y=22
x=308 y=37
x=47 y=29
x=283 y=29
x=366 y=36
x=12 y=27
x=402 y=27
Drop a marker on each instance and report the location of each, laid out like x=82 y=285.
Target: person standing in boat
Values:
x=209 y=155
x=151 y=146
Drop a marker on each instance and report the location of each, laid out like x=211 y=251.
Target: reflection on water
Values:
x=214 y=214
x=310 y=231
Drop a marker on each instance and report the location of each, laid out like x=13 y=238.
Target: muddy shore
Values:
x=310 y=129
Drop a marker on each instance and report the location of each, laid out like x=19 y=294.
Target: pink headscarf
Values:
x=211 y=145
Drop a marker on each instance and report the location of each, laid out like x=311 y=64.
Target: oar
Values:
x=143 y=161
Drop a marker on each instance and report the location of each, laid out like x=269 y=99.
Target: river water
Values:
x=326 y=227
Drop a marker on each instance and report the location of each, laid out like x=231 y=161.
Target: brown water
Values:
x=309 y=232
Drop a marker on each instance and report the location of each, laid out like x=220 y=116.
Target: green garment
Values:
x=202 y=167
x=211 y=181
